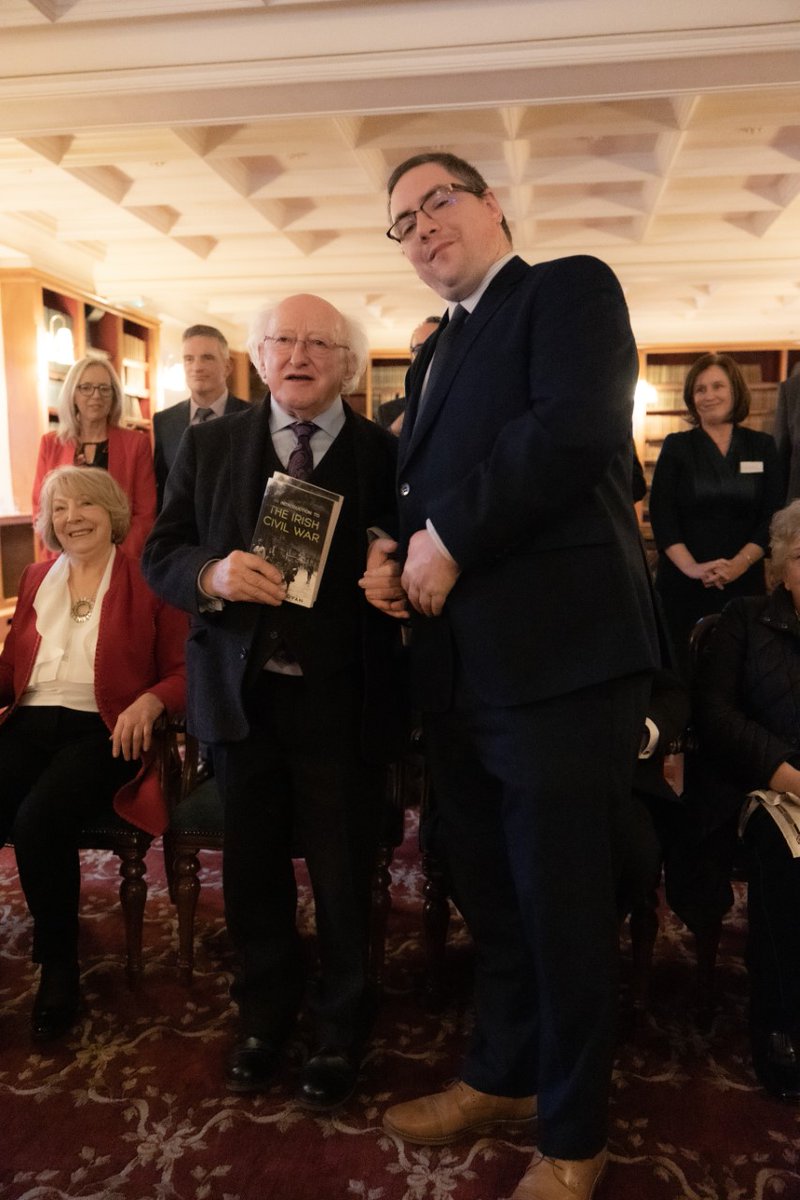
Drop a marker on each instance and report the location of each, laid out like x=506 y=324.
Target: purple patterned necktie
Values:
x=301 y=460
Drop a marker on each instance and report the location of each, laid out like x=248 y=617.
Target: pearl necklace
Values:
x=81 y=610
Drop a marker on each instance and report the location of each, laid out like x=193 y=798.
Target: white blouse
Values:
x=63 y=673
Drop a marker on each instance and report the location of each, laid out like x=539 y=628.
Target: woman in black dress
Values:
x=715 y=488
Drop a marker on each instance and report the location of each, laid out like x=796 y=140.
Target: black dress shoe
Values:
x=327 y=1080
x=252 y=1065
x=57 y=1002
x=776 y=1063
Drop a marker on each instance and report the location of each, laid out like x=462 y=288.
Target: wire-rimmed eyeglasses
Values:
x=316 y=347
x=441 y=197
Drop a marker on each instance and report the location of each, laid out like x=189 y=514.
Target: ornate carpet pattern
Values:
x=131 y=1105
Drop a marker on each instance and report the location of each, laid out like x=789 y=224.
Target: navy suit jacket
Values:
x=211 y=507
x=168 y=429
x=521 y=459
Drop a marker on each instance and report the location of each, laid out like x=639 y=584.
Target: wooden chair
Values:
x=131 y=844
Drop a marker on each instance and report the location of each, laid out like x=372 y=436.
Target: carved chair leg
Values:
x=380 y=907
x=186 y=866
x=168 y=846
x=435 y=922
x=132 y=895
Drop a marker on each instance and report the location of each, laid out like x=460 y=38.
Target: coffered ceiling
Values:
x=201 y=158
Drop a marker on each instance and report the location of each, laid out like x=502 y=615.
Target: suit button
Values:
x=274 y=635
x=243 y=652
x=405 y=489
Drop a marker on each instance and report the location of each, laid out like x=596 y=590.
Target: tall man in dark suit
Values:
x=207 y=366
x=787 y=432
x=533 y=643
x=300 y=705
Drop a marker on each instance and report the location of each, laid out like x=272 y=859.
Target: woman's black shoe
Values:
x=776 y=1063
x=55 y=1009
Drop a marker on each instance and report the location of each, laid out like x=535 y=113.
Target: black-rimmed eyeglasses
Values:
x=440 y=198
x=88 y=389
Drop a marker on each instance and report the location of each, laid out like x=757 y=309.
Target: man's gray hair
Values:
x=354 y=337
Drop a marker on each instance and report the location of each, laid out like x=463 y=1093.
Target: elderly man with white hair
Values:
x=299 y=704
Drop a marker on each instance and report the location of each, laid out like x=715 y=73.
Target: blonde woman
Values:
x=89 y=434
x=92 y=660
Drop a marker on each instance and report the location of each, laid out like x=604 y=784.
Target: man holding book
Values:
x=300 y=703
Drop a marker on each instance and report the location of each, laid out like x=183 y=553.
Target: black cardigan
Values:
x=747 y=702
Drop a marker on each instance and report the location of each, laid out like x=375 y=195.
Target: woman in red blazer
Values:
x=89 y=434
x=92 y=660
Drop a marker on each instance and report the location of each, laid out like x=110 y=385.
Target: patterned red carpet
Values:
x=131 y=1106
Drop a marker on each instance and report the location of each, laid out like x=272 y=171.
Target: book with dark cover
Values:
x=294 y=531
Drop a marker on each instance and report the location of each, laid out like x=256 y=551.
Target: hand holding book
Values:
x=244 y=576
x=294 y=531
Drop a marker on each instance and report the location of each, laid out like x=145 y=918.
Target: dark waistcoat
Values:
x=325 y=638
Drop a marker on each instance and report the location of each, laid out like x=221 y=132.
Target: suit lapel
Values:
x=420 y=422
x=249 y=445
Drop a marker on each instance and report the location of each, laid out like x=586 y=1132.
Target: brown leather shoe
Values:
x=445 y=1116
x=561 y=1178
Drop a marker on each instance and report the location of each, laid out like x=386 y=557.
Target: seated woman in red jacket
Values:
x=92 y=659
x=747 y=714
x=89 y=435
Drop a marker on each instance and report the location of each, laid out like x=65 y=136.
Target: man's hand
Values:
x=428 y=576
x=133 y=731
x=244 y=576
x=381 y=580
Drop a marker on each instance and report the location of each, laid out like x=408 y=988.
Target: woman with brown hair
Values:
x=714 y=490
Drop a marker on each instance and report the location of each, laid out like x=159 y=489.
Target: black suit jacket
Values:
x=522 y=460
x=168 y=428
x=787 y=434
x=212 y=505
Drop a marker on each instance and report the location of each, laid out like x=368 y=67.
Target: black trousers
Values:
x=773 y=939
x=56 y=772
x=528 y=799
x=298 y=786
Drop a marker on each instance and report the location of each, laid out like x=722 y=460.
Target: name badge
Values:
x=751 y=468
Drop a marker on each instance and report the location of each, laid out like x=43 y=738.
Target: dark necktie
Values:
x=445 y=347
x=301 y=460
x=203 y=414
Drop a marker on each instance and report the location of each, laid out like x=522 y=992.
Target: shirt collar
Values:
x=218 y=407
x=331 y=420
x=470 y=302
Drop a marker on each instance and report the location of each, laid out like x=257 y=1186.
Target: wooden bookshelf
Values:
x=383 y=379
x=34 y=305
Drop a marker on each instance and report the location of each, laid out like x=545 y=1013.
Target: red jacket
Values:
x=140 y=648
x=130 y=463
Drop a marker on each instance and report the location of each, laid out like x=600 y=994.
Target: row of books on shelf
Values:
x=660 y=424
x=134 y=348
x=673 y=374
x=388 y=379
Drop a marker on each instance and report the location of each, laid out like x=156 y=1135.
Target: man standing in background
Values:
x=787 y=432
x=390 y=413
x=207 y=366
